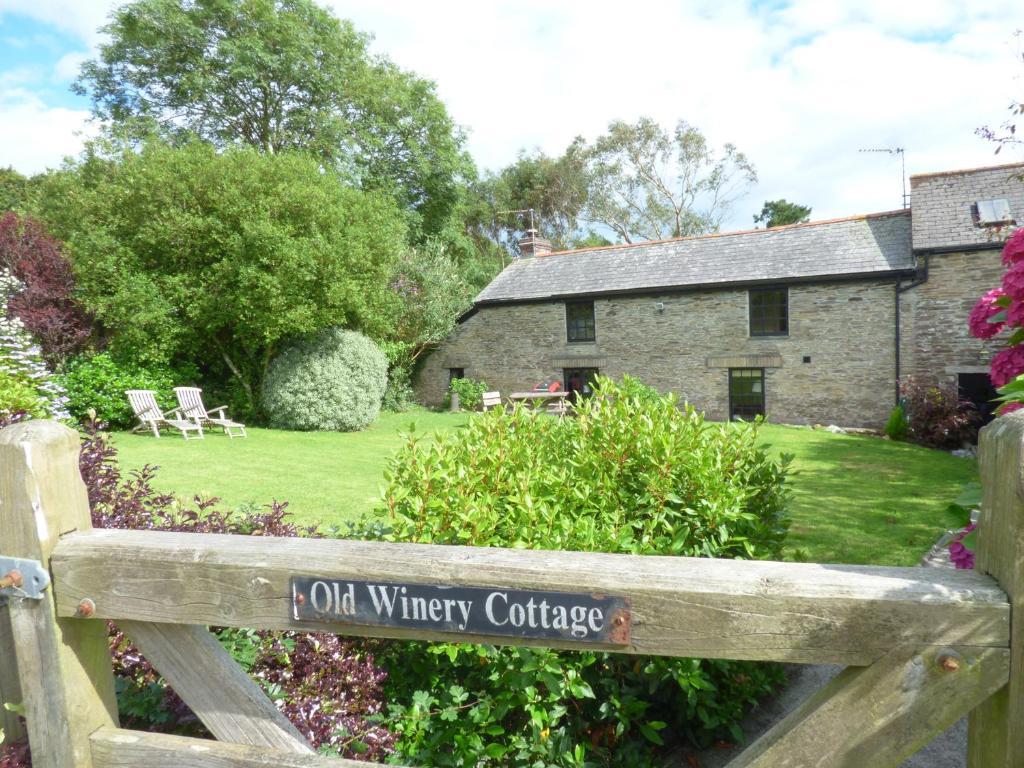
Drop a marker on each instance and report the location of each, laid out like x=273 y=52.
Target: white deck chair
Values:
x=190 y=402
x=147 y=411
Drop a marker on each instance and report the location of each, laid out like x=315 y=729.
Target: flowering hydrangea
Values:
x=1006 y=365
x=986 y=307
x=22 y=359
x=961 y=556
x=1013 y=251
x=1013 y=280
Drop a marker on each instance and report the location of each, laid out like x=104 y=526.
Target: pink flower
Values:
x=1013 y=280
x=1013 y=251
x=1014 y=315
x=1006 y=365
x=1009 y=408
x=986 y=307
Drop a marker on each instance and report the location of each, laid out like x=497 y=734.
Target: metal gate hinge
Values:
x=22 y=579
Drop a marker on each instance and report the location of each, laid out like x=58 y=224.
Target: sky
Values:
x=800 y=87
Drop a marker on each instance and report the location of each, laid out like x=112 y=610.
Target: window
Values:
x=579 y=321
x=769 y=311
x=579 y=382
x=746 y=393
x=455 y=373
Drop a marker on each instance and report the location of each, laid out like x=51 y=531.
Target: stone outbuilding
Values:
x=807 y=323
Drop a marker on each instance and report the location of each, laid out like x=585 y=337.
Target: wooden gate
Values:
x=923 y=647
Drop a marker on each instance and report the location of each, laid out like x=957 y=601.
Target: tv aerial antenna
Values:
x=532 y=229
x=903 y=167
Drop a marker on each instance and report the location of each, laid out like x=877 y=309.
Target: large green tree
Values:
x=553 y=188
x=13 y=189
x=279 y=75
x=648 y=183
x=187 y=253
x=777 y=213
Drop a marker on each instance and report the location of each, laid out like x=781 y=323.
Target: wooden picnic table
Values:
x=555 y=401
x=539 y=396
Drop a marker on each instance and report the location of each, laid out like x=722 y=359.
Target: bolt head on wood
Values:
x=949 y=662
x=12 y=579
x=86 y=608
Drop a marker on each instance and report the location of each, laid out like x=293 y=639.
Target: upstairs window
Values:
x=579 y=321
x=769 y=311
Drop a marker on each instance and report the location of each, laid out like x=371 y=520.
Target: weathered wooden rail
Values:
x=923 y=647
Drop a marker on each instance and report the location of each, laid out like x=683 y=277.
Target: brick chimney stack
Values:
x=531 y=245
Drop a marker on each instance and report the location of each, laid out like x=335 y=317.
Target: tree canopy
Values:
x=776 y=213
x=647 y=183
x=279 y=75
x=554 y=188
x=186 y=253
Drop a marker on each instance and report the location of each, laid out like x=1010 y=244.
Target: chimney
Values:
x=531 y=245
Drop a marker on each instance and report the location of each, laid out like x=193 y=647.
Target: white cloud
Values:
x=799 y=87
x=68 y=66
x=34 y=137
x=81 y=18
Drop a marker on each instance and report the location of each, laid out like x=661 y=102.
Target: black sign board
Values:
x=585 y=618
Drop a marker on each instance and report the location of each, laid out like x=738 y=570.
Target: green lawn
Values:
x=324 y=476
x=855 y=499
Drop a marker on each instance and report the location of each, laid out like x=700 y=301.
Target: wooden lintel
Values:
x=731 y=609
x=882 y=714
x=227 y=701
x=117 y=748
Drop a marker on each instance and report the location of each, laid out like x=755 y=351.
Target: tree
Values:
x=776 y=213
x=554 y=188
x=645 y=183
x=45 y=302
x=279 y=75
x=13 y=189
x=189 y=254
x=431 y=295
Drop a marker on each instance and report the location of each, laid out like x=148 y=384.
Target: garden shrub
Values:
x=398 y=397
x=21 y=362
x=631 y=473
x=470 y=392
x=97 y=383
x=936 y=416
x=18 y=396
x=45 y=301
x=334 y=380
x=896 y=426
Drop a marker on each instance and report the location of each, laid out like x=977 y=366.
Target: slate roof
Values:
x=942 y=202
x=872 y=245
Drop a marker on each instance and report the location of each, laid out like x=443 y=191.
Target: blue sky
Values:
x=798 y=85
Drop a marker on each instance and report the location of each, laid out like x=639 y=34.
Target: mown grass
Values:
x=855 y=499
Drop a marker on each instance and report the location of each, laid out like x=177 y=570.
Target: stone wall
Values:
x=936 y=344
x=687 y=346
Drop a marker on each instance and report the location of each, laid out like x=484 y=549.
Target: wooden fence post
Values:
x=995 y=733
x=67 y=685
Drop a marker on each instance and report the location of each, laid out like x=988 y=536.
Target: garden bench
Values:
x=147 y=411
x=190 y=401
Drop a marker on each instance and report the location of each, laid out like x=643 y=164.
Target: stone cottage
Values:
x=807 y=323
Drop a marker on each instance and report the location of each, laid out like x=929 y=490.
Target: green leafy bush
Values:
x=398 y=397
x=470 y=392
x=631 y=473
x=334 y=380
x=18 y=396
x=98 y=383
x=897 y=426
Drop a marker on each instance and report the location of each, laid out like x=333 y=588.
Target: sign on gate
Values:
x=587 y=618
